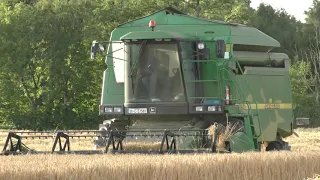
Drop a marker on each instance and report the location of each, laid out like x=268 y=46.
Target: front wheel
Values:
x=115 y=124
x=101 y=140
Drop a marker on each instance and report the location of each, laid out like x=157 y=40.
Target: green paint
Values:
x=250 y=130
x=251 y=36
x=156 y=35
x=266 y=79
x=274 y=85
x=240 y=142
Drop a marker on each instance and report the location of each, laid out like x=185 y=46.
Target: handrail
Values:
x=237 y=86
x=258 y=114
x=220 y=73
x=185 y=61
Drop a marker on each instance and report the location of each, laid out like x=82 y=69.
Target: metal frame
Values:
x=58 y=138
x=9 y=141
x=168 y=143
x=115 y=140
x=18 y=135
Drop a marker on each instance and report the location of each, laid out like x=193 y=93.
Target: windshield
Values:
x=154 y=72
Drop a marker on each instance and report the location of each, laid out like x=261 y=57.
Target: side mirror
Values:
x=95 y=47
x=220 y=48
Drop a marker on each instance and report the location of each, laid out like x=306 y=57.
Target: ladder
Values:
x=213 y=81
x=249 y=116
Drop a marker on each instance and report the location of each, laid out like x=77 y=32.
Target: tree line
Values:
x=48 y=80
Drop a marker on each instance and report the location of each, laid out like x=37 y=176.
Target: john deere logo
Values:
x=271 y=106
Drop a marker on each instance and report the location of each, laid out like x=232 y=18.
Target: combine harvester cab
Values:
x=186 y=84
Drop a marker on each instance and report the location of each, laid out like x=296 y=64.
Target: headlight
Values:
x=201 y=45
x=108 y=109
x=117 y=109
x=199 y=108
x=211 y=108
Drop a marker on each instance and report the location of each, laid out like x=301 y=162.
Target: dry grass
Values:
x=268 y=166
x=315 y=177
x=225 y=134
x=302 y=163
x=308 y=140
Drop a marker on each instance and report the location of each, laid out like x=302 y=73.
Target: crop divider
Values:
x=58 y=139
x=113 y=138
x=165 y=139
x=9 y=140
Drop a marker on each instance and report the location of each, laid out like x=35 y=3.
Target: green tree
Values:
x=300 y=87
x=47 y=79
x=279 y=25
x=46 y=63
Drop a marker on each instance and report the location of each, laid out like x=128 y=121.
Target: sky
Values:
x=293 y=7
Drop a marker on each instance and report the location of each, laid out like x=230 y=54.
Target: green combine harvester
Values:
x=186 y=84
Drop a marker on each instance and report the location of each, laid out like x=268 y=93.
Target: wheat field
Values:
x=302 y=163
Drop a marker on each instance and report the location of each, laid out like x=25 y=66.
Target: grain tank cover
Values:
x=155 y=35
x=244 y=35
x=170 y=19
x=260 y=58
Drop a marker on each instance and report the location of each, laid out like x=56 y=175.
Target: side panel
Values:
x=270 y=88
x=112 y=92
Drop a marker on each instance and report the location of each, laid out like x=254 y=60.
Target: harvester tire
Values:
x=278 y=146
x=286 y=146
x=274 y=146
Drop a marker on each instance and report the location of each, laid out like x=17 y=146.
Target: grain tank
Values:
x=173 y=73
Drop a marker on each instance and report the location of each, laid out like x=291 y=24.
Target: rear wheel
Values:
x=278 y=146
x=274 y=146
